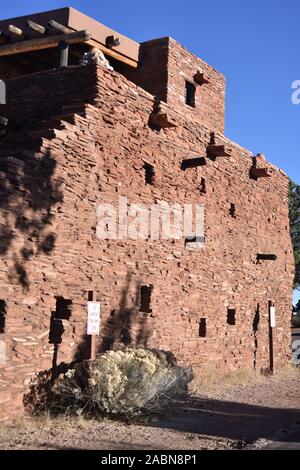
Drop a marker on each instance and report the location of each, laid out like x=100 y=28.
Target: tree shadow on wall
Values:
x=126 y=325
x=28 y=193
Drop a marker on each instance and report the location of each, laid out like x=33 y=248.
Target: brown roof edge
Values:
x=77 y=21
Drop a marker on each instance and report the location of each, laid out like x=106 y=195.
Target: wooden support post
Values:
x=112 y=41
x=91 y=338
x=36 y=27
x=63 y=54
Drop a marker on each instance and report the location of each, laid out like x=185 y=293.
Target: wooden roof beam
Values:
x=46 y=42
x=16 y=31
x=36 y=27
x=59 y=27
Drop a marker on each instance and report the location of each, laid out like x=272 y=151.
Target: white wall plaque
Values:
x=93 y=320
x=272 y=317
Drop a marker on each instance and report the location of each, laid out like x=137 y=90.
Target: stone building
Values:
x=152 y=129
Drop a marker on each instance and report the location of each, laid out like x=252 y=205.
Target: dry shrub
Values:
x=127 y=383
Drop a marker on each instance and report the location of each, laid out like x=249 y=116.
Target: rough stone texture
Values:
x=83 y=141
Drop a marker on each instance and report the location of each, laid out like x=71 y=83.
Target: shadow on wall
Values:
x=28 y=192
x=126 y=325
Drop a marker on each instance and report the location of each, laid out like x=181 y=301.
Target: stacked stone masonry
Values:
x=79 y=137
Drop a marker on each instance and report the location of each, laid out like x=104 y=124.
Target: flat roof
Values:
x=75 y=21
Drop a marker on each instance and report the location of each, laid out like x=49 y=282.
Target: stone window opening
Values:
x=231 y=313
x=202 y=328
x=2 y=316
x=149 y=174
x=194 y=242
x=190 y=94
x=63 y=311
x=145 y=299
x=203 y=186
x=232 y=210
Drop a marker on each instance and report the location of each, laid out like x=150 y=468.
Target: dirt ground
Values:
x=261 y=413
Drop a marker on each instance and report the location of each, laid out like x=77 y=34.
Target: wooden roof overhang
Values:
x=30 y=40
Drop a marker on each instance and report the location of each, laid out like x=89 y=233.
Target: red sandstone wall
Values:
x=50 y=187
x=164 y=68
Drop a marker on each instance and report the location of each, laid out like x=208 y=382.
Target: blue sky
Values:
x=254 y=43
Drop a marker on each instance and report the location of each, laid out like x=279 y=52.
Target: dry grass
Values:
x=44 y=423
x=210 y=380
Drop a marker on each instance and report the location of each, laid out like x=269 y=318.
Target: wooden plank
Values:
x=111 y=53
x=53 y=41
x=44 y=43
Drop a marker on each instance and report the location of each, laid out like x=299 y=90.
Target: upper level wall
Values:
x=165 y=66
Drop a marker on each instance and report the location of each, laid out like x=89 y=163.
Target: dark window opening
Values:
x=62 y=311
x=266 y=257
x=190 y=94
x=2 y=316
x=149 y=174
x=203 y=186
x=192 y=240
x=192 y=163
x=202 y=328
x=232 y=210
x=146 y=293
x=231 y=316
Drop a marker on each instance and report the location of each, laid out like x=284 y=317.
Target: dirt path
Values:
x=259 y=414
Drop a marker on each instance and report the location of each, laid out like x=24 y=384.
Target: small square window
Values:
x=190 y=94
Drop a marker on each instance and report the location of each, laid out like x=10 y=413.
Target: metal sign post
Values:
x=93 y=323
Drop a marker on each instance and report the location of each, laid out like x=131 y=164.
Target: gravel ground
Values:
x=254 y=415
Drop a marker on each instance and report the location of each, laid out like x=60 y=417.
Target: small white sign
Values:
x=93 y=321
x=2 y=353
x=272 y=317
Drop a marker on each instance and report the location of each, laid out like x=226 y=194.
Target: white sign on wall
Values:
x=93 y=321
x=272 y=317
x=2 y=353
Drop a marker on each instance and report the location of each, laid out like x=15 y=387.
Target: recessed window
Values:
x=202 y=328
x=63 y=308
x=203 y=186
x=62 y=312
x=146 y=293
x=190 y=94
x=232 y=210
x=2 y=316
x=149 y=174
x=231 y=312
